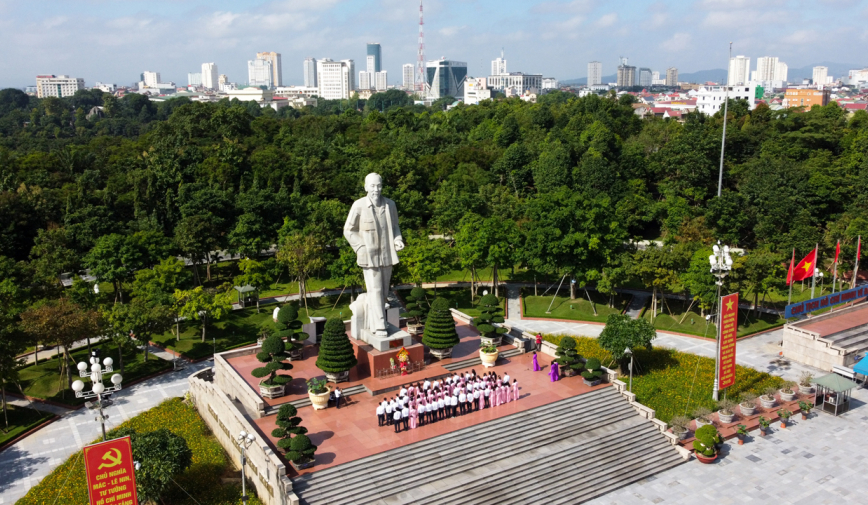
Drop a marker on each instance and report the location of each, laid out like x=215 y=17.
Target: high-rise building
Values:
x=365 y=80
x=739 y=70
x=498 y=66
x=645 y=77
x=276 y=67
x=820 y=75
x=516 y=83
x=310 y=72
x=381 y=80
x=407 y=72
x=57 y=86
x=781 y=71
x=445 y=78
x=194 y=78
x=375 y=55
x=151 y=79
x=765 y=68
x=626 y=75
x=336 y=79
x=672 y=76
x=595 y=73
x=209 y=76
x=260 y=73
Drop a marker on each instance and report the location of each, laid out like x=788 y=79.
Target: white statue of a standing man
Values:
x=373 y=233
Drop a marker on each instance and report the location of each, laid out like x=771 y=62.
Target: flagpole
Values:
x=856 y=266
x=814 y=272
x=835 y=266
x=790 y=277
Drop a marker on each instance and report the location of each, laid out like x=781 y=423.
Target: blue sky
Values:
x=114 y=41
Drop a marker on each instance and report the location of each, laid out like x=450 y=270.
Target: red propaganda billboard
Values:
x=728 y=334
x=111 y=478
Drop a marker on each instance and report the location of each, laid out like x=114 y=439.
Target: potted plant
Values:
x=488 y=354
x=489 y=306
x=593 y=374
x=747 y=405
x=805 y=383
x=763 y=425
x=788 y=391
x=705 y=444
x=272 y=353
x=768 y=398
x=301 y=452
x=806 y=409
x=784 y=415
x=440 y=335
x=288 y=328
x=741 y=432
x=318 y=392
x=568 y=359
x=680 y=426
x=417 y=308
x=336 y=354
x=288 y=425
x=702 y=416
x=726 y=414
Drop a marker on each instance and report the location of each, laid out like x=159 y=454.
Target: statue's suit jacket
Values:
x=361 y=227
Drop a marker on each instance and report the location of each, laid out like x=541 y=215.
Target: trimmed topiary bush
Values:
x=417 y=305
x=593 y=371
x=440 y=330
x=489 y=306
x=272 y=354
x=567 y=356
x=706 y=441
x=288 y=327
x=336 y=352
x=288 y=425
x=301 y=450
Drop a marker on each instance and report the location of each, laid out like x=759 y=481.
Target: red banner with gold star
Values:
x=728 y=335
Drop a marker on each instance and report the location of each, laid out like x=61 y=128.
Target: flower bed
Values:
x=201 y=480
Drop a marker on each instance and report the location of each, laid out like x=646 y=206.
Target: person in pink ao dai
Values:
x=515 y=394
x=412 y=418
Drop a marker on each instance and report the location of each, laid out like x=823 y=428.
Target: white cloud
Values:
x=607 y=20
x=450 y=31
x=580 y=6
x=679 y=42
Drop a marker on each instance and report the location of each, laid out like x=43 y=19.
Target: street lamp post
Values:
x=628 y=352
x=98 y=390
x=244 y=441
x=721 y=265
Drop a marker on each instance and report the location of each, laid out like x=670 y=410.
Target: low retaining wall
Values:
x=264 y=469
x=231 y=383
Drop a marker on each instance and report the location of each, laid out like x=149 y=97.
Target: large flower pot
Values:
x=319 y=401
x=592 y=383
x=296 y=354
x=301 y=466
x=706 y=459
x=725 y=418
x=747 y=411
x=806 y=390
x=766 y=402
x=787 y=397
x=441 y=353
x=700 y=423
x=415 y=329
x=271 y=392
x=488 y=359
x=680 y=434
x=337 y=376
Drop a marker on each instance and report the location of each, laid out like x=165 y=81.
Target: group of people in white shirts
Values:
x=419 y=404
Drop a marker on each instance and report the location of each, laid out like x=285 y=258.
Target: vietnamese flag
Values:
x=805 y=268
x=790 y=271
x=837 y=251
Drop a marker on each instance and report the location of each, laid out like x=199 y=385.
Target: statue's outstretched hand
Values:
x=399 y=244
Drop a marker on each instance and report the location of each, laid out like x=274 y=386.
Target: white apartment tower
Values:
x=672 y=76
x=260 y=73
x=739 y=70
x=407 y=73
x=365 y=80
x=765 y=68
x=209 y=76
x=335 y=79
x=821 y=75
x=310 y=72
x=276 y=66
x=645 y=76
x=151 y=79
x=781 y=71
x=381 y=81
x=57 y=85
x=498 y=66
x=595 y=73
x=194 y=78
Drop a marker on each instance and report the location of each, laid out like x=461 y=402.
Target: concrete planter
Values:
x=707 y=460
x=747 y=411
x=725 y=418
x=271 y=392
x=766 y=402
x=495 y=341
x=680 y=434
x=319 y=401
x=488 y=359
x=441 y=353
x=787 y=397
x=296 y=354
x=806 y=390
x=415 y=329
x=592 y=383
x=337 y=376
x=700 y=423
x=303 y=465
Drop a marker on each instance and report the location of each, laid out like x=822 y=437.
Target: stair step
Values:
x=305 y=402
x=458 y=365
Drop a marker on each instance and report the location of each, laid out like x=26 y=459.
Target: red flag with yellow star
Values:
x=805 y=268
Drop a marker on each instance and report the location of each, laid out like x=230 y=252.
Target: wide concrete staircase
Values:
x=565 y=452
x=477 y=361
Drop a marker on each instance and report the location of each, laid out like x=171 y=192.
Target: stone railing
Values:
x=234 y=386
x=513 y=335
x=651 y=415
x=264 y=468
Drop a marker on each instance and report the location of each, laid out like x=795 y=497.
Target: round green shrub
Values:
x=417 y=305
x=288 y=425
x=301 y=450
x=593 y=369
x=706 y=441
x=336 y=353
x=567 y=356
x=440 y=330
x=489 y=308
x=288 y=328
x=272 y=353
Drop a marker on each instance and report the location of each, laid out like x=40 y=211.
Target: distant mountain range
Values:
x=719 y=74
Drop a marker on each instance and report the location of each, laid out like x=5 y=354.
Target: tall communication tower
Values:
x=420 y=65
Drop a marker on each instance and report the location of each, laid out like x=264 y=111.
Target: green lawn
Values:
x=243 y=327
x=67 y=483
x=579 y=309
x=693 y=323
x=459 y=298
x=20 y=420
x=44 y=380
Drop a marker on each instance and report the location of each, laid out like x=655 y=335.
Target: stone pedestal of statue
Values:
x=395 y=339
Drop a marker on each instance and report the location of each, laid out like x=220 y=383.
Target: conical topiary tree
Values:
x=301 y=450
x=568 y=357
x=336 y=354
x=593 y=371
x=288 y=327
x=288 y=425
x=417 y=305
x=489 y=306
x=440 y=335
x=272 y=354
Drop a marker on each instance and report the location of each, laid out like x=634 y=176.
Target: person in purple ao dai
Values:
x=553 y=372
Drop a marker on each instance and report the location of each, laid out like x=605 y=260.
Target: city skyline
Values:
x=229 y=33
